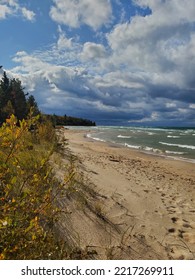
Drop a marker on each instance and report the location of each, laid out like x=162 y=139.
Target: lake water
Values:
x=173 y=142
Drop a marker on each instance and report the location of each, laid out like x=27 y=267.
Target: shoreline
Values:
x=163 y=155
x=183 y=162
x=150 y=197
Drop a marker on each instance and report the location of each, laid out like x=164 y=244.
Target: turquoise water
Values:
x=178 y=143
x=172 y=142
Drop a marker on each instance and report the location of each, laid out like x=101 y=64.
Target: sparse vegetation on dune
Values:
x=32 y=195
x=27 y=200
x=36 y=203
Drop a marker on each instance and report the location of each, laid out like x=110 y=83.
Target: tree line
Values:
x=14 y=101
x=69 y=121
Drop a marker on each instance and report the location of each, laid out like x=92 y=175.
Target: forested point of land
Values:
x=69 y=121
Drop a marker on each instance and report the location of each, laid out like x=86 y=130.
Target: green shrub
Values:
x=28 y=191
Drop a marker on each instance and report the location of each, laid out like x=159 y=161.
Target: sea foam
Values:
x=132 y=146
x=123 y=136
x=173 y=136
x=174 y=153
x=178 y=145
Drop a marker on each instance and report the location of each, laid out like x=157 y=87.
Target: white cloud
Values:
x=29 y=15
x=161 y=43
x=65 y=51
x=192 y=106
x=171 y=105
x=63 y=42
x=9 y=2
x=29 y=63
x=93 y=51
x=4 y=11
x=12 y=7
x=47 y=81
x=164 y=21
x=169 y=12
x=77 y=12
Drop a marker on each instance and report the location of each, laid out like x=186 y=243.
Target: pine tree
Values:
x=4 y=96
x=18 y=99
x=8 y=109
x=31 y=103
x=13 y=100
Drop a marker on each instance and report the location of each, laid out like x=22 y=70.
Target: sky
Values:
x=116 y=62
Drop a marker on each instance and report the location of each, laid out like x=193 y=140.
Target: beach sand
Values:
x=148 y=201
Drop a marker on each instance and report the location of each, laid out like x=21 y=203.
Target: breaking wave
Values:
x=178 y=145
x=173 y=136
x=123 y=136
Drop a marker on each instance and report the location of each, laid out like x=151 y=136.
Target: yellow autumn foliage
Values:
x=27 y=202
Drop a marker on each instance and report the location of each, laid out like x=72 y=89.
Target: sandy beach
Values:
x=149 y=199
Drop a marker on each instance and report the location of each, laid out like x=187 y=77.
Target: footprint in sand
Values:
x=187 y=226
x=185 y=229
x=174 y=219
x=171 y=230
x=171 y=209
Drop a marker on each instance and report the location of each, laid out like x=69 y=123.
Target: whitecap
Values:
x=123 y=136
x=98 y=139
x=94 y=138
x=173 y=136
x=178 y=145
x=149 y=149
x=175 y=153
x=132 y=146
x=88 y=135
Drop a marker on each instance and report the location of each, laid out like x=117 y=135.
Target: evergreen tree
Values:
x=8 y=109
x=13 y=99
x=5 y=83
x=18 y=99
x=31 y=103
x=4 y=96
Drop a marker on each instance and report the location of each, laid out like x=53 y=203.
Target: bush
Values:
x=27 y=192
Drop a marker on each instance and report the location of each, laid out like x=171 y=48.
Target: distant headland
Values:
x=69 y=121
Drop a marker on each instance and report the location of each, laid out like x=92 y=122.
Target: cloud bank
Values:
x=141 y=72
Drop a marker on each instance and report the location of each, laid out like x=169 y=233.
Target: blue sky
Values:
x=113 y=61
